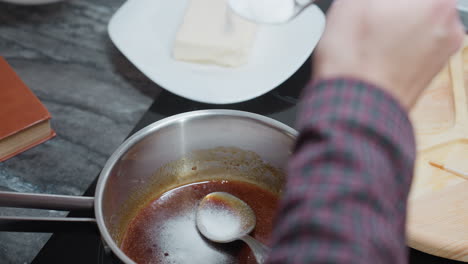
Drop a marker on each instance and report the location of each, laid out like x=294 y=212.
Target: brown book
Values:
x=24 y=121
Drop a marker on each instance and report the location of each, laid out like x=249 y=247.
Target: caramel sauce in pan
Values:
x=164 y=231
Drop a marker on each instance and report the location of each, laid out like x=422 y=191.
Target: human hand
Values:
x=398 y=45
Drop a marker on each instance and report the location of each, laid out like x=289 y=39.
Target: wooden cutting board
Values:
x=438 y=206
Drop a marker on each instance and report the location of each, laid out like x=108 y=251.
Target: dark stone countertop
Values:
x=63 y=53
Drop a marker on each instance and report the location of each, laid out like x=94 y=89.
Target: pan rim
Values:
x=141 y=134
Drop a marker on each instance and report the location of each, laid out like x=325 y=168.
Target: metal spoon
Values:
x=222 y=217
x=269 y=11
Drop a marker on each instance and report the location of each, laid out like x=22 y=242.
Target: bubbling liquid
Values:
x=165 y=231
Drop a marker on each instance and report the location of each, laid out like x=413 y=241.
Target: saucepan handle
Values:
x=46 y=201
x=47 y=224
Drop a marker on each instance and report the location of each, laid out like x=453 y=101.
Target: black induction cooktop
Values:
x=85 y=246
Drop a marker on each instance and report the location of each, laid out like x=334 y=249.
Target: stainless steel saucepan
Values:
x=189 y=147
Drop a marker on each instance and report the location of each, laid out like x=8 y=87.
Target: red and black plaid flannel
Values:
x=348 y=179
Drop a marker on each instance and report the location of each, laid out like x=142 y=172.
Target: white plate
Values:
x=144 y=31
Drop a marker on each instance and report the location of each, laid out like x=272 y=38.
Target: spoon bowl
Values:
x=221 y=217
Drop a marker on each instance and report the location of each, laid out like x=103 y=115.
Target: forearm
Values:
x=348 y=179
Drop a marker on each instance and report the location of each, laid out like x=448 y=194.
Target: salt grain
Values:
x=179 y=237
x=220 y=224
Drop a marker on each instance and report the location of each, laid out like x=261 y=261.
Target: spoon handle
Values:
x=259 y=250
x=302 y=6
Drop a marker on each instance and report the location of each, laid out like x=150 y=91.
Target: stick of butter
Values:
x=210 y=33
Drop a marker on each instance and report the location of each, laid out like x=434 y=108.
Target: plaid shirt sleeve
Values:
x=348 y=179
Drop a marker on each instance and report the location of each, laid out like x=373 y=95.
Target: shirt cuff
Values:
x=359 y=102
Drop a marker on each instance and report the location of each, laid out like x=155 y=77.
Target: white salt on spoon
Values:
x=222 y=217
x=269 y=11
